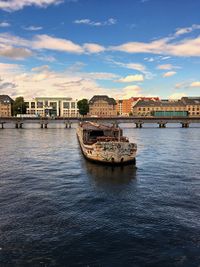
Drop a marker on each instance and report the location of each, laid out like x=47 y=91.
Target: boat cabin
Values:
x=93 y=132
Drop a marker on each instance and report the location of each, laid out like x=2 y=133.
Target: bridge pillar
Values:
x=68 y=125
x=185 y=124
x=138 y=124
x=162 y=125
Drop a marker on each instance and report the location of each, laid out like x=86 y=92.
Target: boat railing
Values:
x=112 y=139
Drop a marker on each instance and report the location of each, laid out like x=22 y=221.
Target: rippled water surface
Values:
x=57 y=209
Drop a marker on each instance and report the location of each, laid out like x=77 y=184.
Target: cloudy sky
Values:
x=78 y=48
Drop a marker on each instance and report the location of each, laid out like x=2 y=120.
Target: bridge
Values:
x=162 y=122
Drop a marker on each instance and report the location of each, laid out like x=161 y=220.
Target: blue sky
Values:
x=79 y=48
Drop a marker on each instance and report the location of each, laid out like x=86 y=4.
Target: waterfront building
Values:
x=102 y=106
x=160 y=108
x=52 y=107
x=5 y=106
x=192 y=105
x=125 y=106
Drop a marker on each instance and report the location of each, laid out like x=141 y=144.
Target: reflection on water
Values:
x=110 y=175
x=58 y=209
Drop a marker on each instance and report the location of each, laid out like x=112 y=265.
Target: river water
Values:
x=57 y=209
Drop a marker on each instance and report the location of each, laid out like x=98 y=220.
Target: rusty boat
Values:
x=105 y=144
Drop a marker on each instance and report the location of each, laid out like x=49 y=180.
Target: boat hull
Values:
x=112 y=153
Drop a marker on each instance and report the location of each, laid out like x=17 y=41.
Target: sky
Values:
x=80 y=48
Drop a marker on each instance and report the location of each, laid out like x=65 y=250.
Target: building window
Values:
x=53 y=105
x=39 y=104
x=27 y=104
x=32 y=104
x=73 y=105
x=66 y=105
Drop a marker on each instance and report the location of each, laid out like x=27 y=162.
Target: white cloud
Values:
x=186 y=30
x=33 y=28
x=164 y=58
x=4 y=24
x=51 y=43
x=129 y=91
x=76 y=67
x=14 y=5
x=182 y=85
x=41 y=42
x=9 y=68
x=186 y=47
x=12 y=40
x=47 y=58
x=41 y=68
x=6 y=85
x=93 y=48
x=99 y=75
x=132 y=66
x=151 y=59
x=135 y=66
x=17 y=53
x=111 y=21
x=177 y=95
x=183 y=48
x=18 y=81
x=139 y=47
x=167 y=67
x=169 y=74
x=82 y=21
x=132 y=78
x=52 y=83
x=89 y=22
x=58 y=44
x=195 y=84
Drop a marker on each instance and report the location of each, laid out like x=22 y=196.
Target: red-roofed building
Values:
x=125 y=106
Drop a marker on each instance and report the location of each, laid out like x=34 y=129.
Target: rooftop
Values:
x=152 y=103
x=191 y=100
x=111 y=101
x=53 y=98
x=95 y=126
x=5 y=99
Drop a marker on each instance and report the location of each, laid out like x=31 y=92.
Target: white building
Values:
x=52 y=106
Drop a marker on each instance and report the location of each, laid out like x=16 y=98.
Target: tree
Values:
x=19 y=106
x=83 y=106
